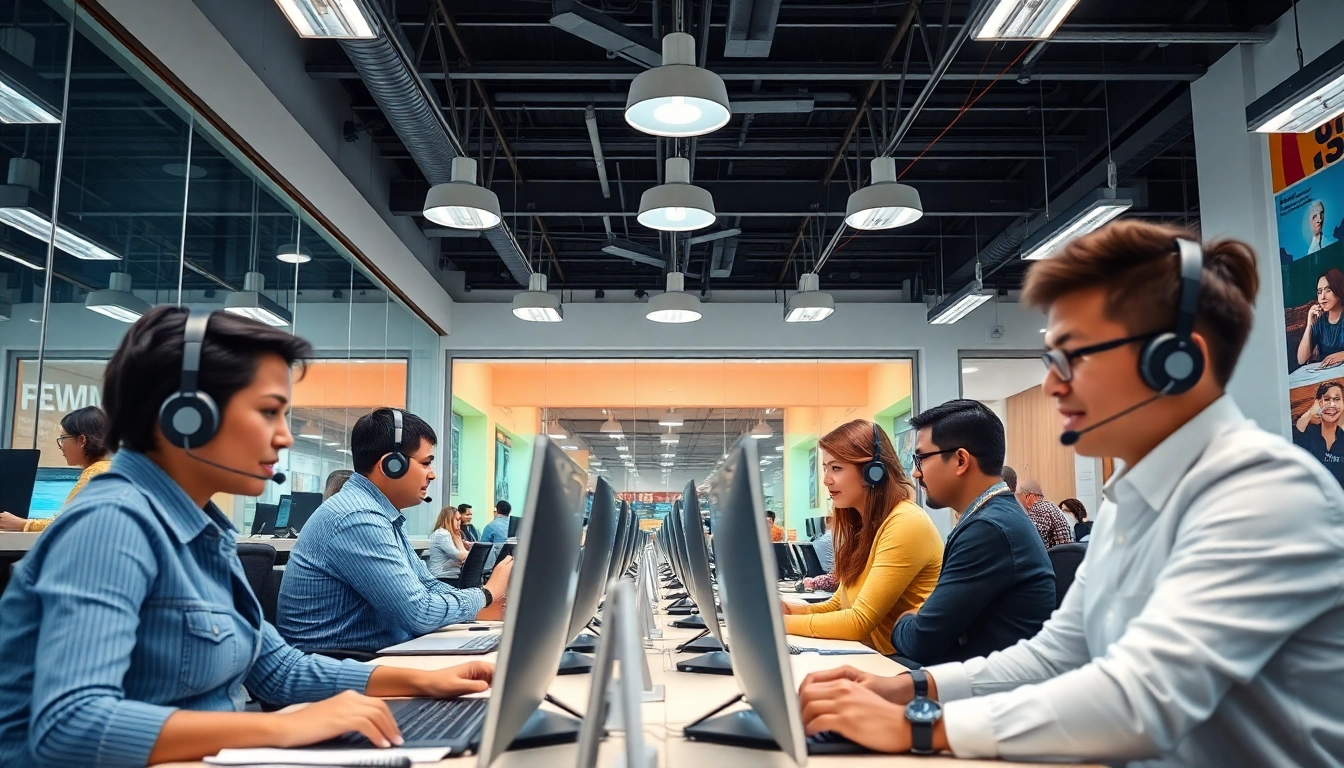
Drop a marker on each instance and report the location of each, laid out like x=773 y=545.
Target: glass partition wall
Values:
x=650 y=426
x=152 y=205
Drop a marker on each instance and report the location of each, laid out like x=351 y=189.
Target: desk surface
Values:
x=687 y=697
x=12 y=542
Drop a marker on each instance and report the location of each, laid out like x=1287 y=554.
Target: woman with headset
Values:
x=130 y=632
x=888 y=553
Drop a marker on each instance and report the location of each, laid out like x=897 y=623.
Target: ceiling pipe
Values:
x=590 y=119
x=412 y=110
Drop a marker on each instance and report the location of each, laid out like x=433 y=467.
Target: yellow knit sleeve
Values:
x=90 y=472
x=37 y=525
x=903 y=550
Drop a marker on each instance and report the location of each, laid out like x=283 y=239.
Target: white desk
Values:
x=687 y=698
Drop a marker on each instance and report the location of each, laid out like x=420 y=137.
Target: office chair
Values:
x=811 y=563
x=259 y=567
x=1065 y=559
x=472 y=573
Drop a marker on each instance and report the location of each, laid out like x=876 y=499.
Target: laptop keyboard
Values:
x=481 y=643
x=435 y=719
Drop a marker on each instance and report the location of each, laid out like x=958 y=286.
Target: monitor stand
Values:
x=584 y=643
x=712 y=663
x=544 y=728
x=572 y=663
x=743 y=728
x=690 y=622
x=702 y=643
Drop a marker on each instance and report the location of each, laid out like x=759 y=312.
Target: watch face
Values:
x=923 y=710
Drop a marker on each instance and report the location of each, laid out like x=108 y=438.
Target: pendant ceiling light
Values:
x=675 y=305
x=761 y=431
x=251 y=302
x=670 y=419
x=536 y=305
x=678 y=205
x=461 y=203
x=117 y=301
x=293 y=253
x=885 y=203
x=677 y=99
x=810 y=304
x=611 y=427
x=555 y=431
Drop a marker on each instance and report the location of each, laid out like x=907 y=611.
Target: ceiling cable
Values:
x=1112 y=177
x=1298 y=34
x=1045 y=155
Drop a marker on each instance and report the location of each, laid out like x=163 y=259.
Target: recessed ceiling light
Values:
x=969 y=369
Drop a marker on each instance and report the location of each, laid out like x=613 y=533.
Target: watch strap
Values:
x=921 y=738
x=921 y=680
x=489 y=598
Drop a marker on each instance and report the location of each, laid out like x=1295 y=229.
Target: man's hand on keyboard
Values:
x=473 y=677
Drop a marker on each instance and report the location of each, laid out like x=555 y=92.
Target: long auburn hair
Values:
x=855 y=530
x=450 y=520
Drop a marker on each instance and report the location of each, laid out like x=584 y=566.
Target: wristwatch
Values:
x=922 y=712
x=489 y=598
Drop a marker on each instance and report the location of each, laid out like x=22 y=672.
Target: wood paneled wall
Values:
x=1033 y=444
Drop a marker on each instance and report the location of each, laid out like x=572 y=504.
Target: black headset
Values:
x=395 y=464
x=874 y=472
x=1171 y=363
x=189 y=418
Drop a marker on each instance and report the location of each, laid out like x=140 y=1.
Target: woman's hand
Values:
x=784 y=608
x=473 y=677
x=1313 y=314
x=1331 y=361
x=342 y=713
x=10 y=522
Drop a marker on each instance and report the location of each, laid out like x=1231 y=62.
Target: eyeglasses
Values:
x=62 y=439
x=920 y=457
x=1061 y=361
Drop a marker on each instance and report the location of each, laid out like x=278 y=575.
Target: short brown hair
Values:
x=1137 y=263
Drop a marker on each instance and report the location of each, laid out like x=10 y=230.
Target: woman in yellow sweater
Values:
x=81 y=442
x=888 y=553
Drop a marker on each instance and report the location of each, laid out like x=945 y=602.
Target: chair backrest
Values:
x=811 y=563
x=1065 y=558
x=258 y=563
x=784 y=561
x=473 y=568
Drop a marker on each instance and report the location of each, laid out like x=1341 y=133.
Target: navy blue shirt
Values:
x=1314 y=441
x=1327 y=337
x=996 y=587
x=133 y=604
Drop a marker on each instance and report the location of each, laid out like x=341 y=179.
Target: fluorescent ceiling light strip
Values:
x=116 y=313
x=1090 y=220
x=327 y=18
x=1321 y=106
x=963 y=307
x=1024 y=19
x=17 y=108
x=35 y=225
x=20 y=260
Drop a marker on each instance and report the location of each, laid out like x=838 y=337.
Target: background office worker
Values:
x=354 y=582
x=887 y=550
x=129 y=629
x=469 y=532
x=776 y=530
x=496 y=531
x=1202 y=628
x=447 y=548
x=82 y=444
x=1050 y=522
x=997 y=586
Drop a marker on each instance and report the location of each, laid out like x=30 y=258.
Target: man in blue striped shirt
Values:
x=354 y=581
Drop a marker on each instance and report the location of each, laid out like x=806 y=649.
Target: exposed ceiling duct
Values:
x=606 y=33
x=751 y=28
x=412 y=111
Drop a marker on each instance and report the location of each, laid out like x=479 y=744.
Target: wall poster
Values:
x=1309 y=210
x=503 y=446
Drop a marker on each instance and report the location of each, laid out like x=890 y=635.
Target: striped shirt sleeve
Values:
x=284 y=674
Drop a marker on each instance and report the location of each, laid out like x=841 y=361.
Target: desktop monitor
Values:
x=18 y=467
x=750 y=602
x=513 y=526
x=617 y=565
x=263 y=520
x=282 y=512
x=696 y=560
x=539 y=605
x=811 y=525
x=596 y=558
x=302 y=507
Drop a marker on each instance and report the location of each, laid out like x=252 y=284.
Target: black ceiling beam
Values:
x=789 y=71
x=606 y=33
x=748 y=198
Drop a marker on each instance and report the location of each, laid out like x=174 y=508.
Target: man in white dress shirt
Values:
x=1205 y=626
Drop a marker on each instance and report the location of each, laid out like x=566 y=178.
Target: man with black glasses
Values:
x=996 y=586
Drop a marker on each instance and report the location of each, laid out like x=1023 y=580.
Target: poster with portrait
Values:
x=1310 y=218
x=503 y=447
x=812 y=501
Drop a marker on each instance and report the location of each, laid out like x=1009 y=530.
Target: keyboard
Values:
x=481 y=643
x=432 y=722
x=830 y=743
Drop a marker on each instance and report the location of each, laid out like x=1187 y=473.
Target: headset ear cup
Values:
x=1171 y=365
x=188 y=420
x=395 y=465
x=874 y=472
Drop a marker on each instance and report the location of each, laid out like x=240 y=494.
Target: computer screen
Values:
x=302 y=507
x=282 y=515
x=513 y=526
x=50 y=490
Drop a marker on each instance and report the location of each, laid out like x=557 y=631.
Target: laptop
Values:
x=263 y=520
x=18 y=467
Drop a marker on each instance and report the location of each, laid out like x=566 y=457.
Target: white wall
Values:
x=1235 y=195
x=754 y=330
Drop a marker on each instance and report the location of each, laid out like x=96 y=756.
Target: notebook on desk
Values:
x=456 y=644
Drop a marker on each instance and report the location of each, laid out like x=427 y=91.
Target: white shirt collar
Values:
x=1156 y=475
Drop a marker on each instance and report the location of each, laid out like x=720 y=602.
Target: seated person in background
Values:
x=1049 y=521
x=1317 y=430
x=335 y=482
x=887 y=550
x=354 y=582
x=129 y=630
x=1009 y=476
x=824 y=545
x=81 y=443
x=997 y=585
x=447 y=549
x=469 y=532
x=1082 y=527
x=1202 y=628
x=776 y=531
x=497 y=531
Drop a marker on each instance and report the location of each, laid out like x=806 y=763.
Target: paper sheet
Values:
x=269 y=756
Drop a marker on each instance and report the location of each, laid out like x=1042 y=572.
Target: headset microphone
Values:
x=1072 y=436
x=278 y=478
x=427 y=500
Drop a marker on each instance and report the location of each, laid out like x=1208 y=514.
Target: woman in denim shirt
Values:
x=129 y=629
